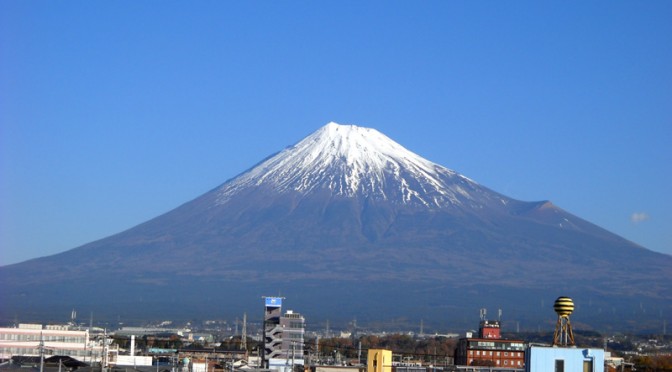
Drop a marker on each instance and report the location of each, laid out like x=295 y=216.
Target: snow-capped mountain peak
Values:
x=354 y=161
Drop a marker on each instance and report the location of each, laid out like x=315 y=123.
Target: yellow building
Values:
x=379 y=360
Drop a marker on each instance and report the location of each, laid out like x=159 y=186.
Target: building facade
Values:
x=564 y=359
x=36 y=340
x=490 y=349
x=379 y=360
x=283 y=336
x=293 y=329
x=272 y=331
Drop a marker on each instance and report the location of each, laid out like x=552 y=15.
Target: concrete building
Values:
x=272 y=338
x=283 y=336
x=36 y=340
x=145 y=331
x=379 y=360
x=293 y=330
x=490 y=349
x=287 y=337
x=564 y=359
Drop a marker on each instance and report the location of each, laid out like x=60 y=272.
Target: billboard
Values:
x=273 y=301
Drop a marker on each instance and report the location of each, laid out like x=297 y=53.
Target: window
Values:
x=587 y=366
x=559 y=365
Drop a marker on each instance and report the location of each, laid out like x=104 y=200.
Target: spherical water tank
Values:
x=563 y=306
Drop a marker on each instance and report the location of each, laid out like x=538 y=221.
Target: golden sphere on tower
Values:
x=563 y=306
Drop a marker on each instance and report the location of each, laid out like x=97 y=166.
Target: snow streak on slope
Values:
x=353 y=161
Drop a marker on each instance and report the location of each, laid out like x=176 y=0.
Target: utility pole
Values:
x=664 y=327
x=243 y=338
x=359 y=352
x=41 y=353
x=103 y=360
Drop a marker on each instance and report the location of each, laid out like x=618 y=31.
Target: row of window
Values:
x=296 y=325
x=496 y=345
x=25 y=351
x=496 y=353
x=15 y=337
x=506 y=362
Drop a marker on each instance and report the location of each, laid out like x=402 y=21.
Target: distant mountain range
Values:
x=349 y=224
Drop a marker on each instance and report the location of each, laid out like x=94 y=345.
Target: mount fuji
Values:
x=348 y=223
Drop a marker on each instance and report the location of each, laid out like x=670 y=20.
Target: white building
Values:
x=36 y=340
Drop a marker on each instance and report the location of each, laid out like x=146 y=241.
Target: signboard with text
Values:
x=273 y=301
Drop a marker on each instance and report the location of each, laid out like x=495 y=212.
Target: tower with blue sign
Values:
x=283 y=337
x=272 y=313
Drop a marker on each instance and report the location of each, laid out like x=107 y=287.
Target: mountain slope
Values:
x=338 y=223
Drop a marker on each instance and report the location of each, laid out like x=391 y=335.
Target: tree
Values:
x=651 y=363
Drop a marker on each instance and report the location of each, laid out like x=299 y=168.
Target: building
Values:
x=38 y=341
x=563 y=356
x=379 y=360
x=145 y=331
x=293 y=329
x=272 y=331
x=490 y=349
x=563 y=359
x=616 y=364
x=283 y=336
x=287 y=337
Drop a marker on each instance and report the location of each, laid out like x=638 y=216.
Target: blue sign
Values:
x=273 y=301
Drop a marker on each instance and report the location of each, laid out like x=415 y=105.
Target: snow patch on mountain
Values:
x=354 y=161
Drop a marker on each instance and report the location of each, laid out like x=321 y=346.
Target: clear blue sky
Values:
x=113 y=112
